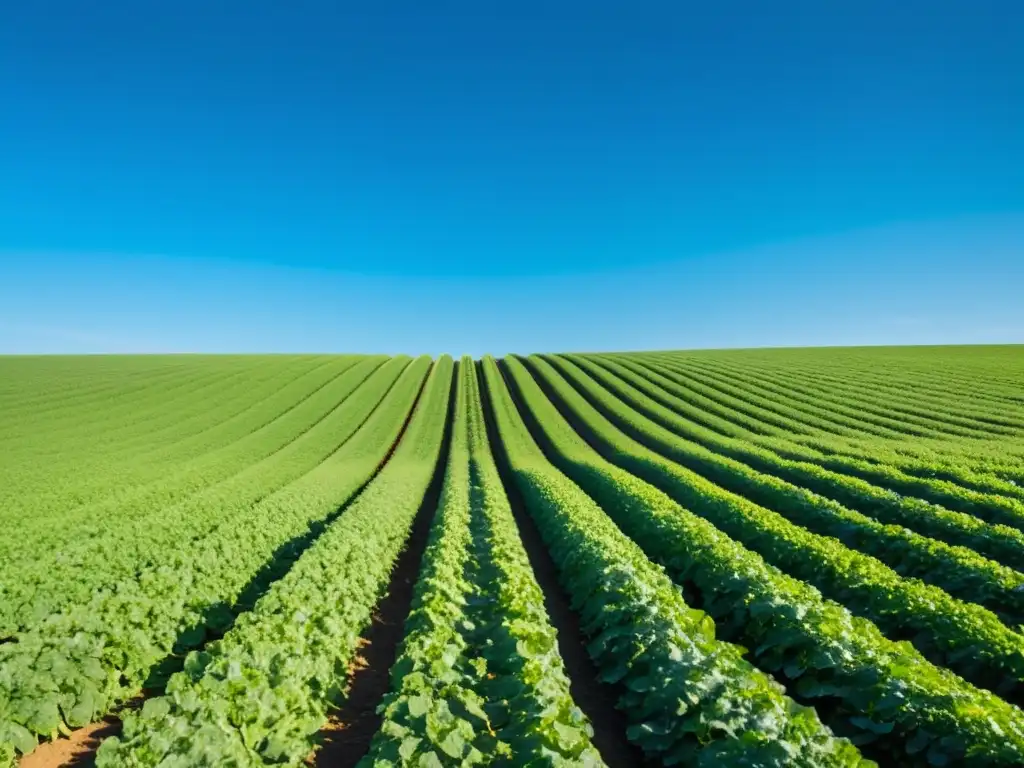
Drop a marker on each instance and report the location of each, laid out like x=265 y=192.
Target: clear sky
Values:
x=489 y=177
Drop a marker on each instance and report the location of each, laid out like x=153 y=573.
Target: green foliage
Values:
x=688 y=696
x=260 y=694
x=965 y=636
x=892 y=503
x=78 y=664
x=110 y=484
x=184 y=505
x=479 y=679
x=943 y=470
x=891 y=697
x=775 y=557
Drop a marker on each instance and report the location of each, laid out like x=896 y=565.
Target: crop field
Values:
x=807 y=557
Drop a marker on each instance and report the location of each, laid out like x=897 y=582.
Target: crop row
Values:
x=857 y=407
x=81 y=662
x=261 y=693
x=998 y=541
x=883 y=694
x=941 y=380
x=733 y=403
x=90 y=471
x=839 y=418
x=689 y=697
x=119 y=399
x=239 y=447
x=479 y=678
x=40 y=587
x=953 y=398
x=942 y=493
x=46 y=388
x=964 y=636
x=834 y=392
x=130 y=423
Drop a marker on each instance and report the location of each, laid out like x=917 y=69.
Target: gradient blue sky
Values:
x=489 y=177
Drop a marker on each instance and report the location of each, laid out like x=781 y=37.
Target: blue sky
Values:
x=474 y=177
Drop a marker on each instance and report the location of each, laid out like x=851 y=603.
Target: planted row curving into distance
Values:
x=761 y=557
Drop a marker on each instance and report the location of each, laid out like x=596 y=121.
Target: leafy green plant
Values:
x=260 y=694
x=79 y=664
x=688 y=696
x=889 y=696
x=995 y=538
x=965 y=636
x=479 y=679
x=186 y=505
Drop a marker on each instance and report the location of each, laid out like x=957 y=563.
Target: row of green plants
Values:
x=780 y=416
x=229 y=448
x=54 y=379
x=959 y=394
x=478 y=680
x=961 y=635
x=46 y=389
x=760 y=414
x=124 y=400
x=855 y=410
x=944 y=376
x=689 y=698
x=989 y=506
x=79 y=664
x=129 y=421
x=792 y=408
x=837 y=394
x=912 y=535
x=262 y=693
x=884 y=695
x=69 y=573
x=984 y=464
x=83 y=471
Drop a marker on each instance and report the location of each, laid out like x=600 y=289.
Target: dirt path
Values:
x=79 y=749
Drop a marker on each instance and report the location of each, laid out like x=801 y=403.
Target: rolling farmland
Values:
x=808 y=557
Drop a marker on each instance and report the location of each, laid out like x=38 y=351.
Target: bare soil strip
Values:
x=79 y=749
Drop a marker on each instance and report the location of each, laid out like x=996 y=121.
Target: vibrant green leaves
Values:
x=822 y=650
x=687 y=695
x=479 y=674
x=99 y=653
x=261 y=693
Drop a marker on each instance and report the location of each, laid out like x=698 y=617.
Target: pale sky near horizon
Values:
x=320 y=177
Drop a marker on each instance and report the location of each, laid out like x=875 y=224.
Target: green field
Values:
x=755 y=557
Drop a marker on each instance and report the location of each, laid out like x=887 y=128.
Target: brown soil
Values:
x=79 y=749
